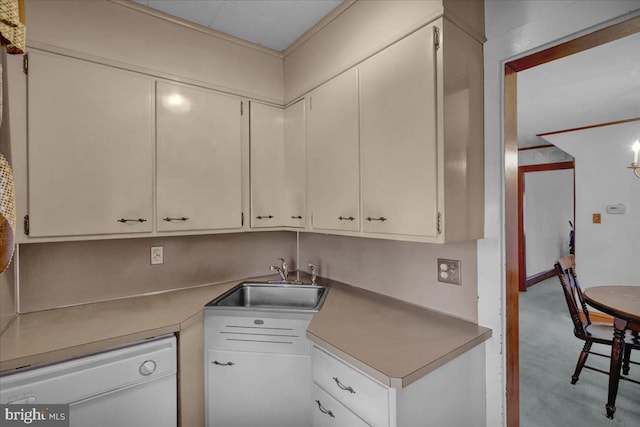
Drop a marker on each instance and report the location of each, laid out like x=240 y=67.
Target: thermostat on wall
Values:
x=616 y=209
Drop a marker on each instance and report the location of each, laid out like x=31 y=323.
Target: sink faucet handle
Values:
x=314 y=276
x=284 y=267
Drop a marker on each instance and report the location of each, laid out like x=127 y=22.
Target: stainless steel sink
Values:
x=271 y=297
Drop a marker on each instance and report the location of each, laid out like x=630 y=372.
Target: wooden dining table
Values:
x=623 y=303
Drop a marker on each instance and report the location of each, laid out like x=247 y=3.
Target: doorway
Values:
x=512 y=236
x=546 y=207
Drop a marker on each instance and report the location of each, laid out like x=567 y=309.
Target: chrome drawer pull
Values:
x=343 y=387
x=215 y=362
x=382 y=219
x=346 y=218
x=125 y=220
x=169 y=219
x=264 y=216
x=324 y=411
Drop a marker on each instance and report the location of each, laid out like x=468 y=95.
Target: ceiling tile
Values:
x=242 y=23
x=271 y=23
x=271 y=9
x=305 y=14
x=201 y=12
x=280 y=37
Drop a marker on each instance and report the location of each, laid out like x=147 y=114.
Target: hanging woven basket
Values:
x=12 y=28
x=7 y=214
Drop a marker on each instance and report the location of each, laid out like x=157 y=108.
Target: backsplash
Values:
x=402 y=270
x=67 y=273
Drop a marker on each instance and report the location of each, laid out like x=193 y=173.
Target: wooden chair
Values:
x=582 y=327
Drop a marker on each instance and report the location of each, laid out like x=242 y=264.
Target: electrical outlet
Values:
x=449 y=271
x=157 y=257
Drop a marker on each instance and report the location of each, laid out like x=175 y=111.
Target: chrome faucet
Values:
x=282 y=270
x=314 y=275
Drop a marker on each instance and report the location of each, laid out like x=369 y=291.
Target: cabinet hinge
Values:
x=26 y=225
x=25 y=63
x=436 y=37
x=241 y=108
x=439 y=223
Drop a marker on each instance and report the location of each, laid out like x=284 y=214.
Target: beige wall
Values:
x=403 y=270
x=66 y=273
x=362 y=30
x=110 y=30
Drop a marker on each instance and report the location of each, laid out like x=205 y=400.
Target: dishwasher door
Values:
x=129 y=387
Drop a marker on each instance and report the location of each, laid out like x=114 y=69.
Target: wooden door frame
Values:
x=511 y=69
x=523 y=281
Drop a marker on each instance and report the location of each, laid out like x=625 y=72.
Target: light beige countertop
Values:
x=394 y=342
x=62 y=333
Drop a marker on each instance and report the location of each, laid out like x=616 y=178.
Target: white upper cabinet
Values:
x=398 y=138
x=418 y=157
x=294 y=166
x=277 y=165
x=199 y=159
x=333 y=154
x=267 y=165
x=90 y=148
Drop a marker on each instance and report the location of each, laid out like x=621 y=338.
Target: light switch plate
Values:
x=157 y=256
x=449 y=271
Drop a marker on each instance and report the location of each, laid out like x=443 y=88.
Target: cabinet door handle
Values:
x=343 y=387
x=169 y=219
x=215 y=362
x=324 y=411
x=125 y=220
x=381 y=219
x=296 y=217
x=346 y=218
x=264 y=216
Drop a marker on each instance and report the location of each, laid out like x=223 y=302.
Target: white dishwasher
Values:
x=129 y=387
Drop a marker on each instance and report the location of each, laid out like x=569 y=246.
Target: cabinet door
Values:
x=267 y=165
x=294 y=165
x=199 y=169
x=398 y=138
x=333 y=154
x=258 y=389
x=90 y=148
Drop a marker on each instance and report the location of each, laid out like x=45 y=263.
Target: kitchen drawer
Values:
x=261 y=332
x=327 y=411
x=363 y=395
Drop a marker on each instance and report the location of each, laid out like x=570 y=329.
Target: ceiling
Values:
x=274 y=24
x=596 y=86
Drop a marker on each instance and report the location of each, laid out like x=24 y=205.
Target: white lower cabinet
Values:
x=257 y=389
x=257 y=369
x=364 y=396
x=328 y=412
x=450 y=396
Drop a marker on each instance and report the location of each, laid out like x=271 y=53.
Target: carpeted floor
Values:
x=548 y=355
